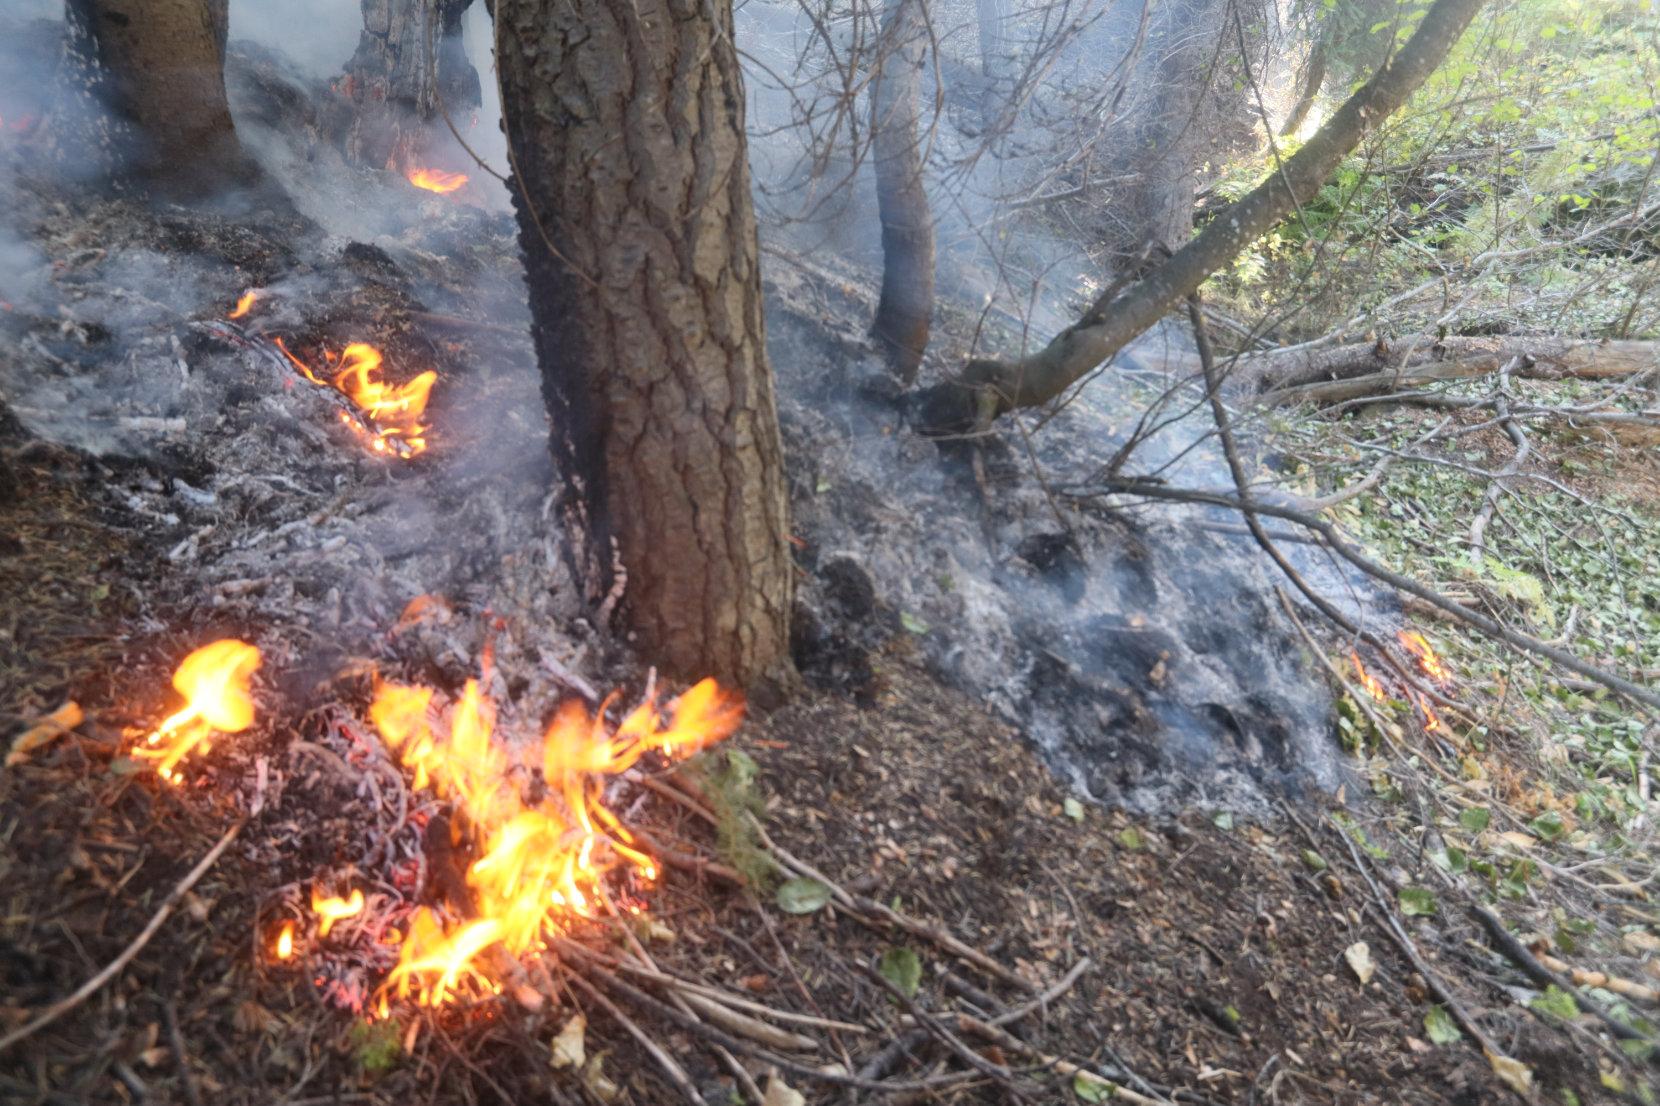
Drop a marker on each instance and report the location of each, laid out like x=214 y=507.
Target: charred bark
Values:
x=625 y=119
x=988 y=388
x=161 y=69
x=410 y=65
x=906 y=309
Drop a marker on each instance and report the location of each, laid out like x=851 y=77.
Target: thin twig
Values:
x=114 y=967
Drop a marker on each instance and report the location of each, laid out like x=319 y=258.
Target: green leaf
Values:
x=741 y=769
x=802 y=896
x=1475 y=819
x=1416 y=901
x=1548 y=825
x=1439 y=1026
x=1314 y=861
x=1130 y=838
x=1557 y=1003
x=1091 y=1088
x=1073 y=808
x=125 y=766
x=903 y=969
x=1222 y=821
x=912 y=623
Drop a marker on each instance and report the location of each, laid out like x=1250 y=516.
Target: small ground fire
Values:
x=549 y=852
x=436 y=180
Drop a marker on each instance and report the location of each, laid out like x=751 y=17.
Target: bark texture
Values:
x=1334 y=374
x=410 y=59
x=161 y=66
x=989 y=388
x=906 y=309
x=625 y=119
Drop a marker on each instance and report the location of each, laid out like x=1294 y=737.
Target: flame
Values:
x=1367 y=680
x=393 y=411
x=331 y=910
x=436 y=180
x=244 y=305
x=1432 y=721
x=539 y=863
x=1415 y=643
x=285 y=941
x=214 y=682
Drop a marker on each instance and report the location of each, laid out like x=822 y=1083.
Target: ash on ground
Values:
x=1144 y=651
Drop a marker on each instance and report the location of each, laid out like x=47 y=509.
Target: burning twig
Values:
x=114 y=967
x=214 y=682
x=44 y=732
x=387 y=415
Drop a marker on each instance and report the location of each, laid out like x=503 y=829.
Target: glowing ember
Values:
x=285 y=941
x=331 y=910
x=540 y=863
x=393 y=412
x=214 y=682
x=1367 y=680
x=1415 y=643
x=244 y=305
x=436 y=180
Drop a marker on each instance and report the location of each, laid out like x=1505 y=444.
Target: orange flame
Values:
x=1367 y=680
x=330 y=910
x=244 y=305
x=436 y=180
x=1432 y=721
x=214 y=682
x=285 y=941
x=539 y=863
x=394 y=411
x=1415 y=643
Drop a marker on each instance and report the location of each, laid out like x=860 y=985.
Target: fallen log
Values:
x=1304 y=375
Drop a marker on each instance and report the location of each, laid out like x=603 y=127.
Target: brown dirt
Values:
x=1217 y=954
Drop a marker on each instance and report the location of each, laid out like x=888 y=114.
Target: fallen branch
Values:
x=1548 y=975
x=114 y=967
x=1066 y=1069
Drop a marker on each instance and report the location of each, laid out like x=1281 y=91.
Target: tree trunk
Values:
x=907 y=305
x=1314 y=75
x=626 y=123
x=410 y=65
x=161 y=67
x=989 y=388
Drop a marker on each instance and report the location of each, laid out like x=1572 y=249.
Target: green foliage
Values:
x=802 y=896
x=376 y=1046
x=902 y=968
x=1538 y=128
x=728 y=777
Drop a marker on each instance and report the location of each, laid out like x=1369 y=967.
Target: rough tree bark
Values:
x=1166 y=143
x=161 y=69
x=410 y=59
x=906 y=308
x=625 y=120
x=987 y=389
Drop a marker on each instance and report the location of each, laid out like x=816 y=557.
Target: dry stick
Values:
x=677 y=1074
x=870 y=912
x=736 y=1002
x=1543 y=975
x=114 y=967
x=1628 y=988
x=1495 y=487
x=1115 y=1091
x=937 y=1029
x=595 y=964
x=1060 y=988
x=1404 y=942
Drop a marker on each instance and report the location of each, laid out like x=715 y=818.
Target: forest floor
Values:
x=1323 y=952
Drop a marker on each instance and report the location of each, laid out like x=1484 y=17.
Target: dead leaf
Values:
x=780 y=1093
x=1359 y=956
x=1513 y=1073
x=597 y=1082
x=45 y=731
x=1640 y=942
x=568 y=1048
